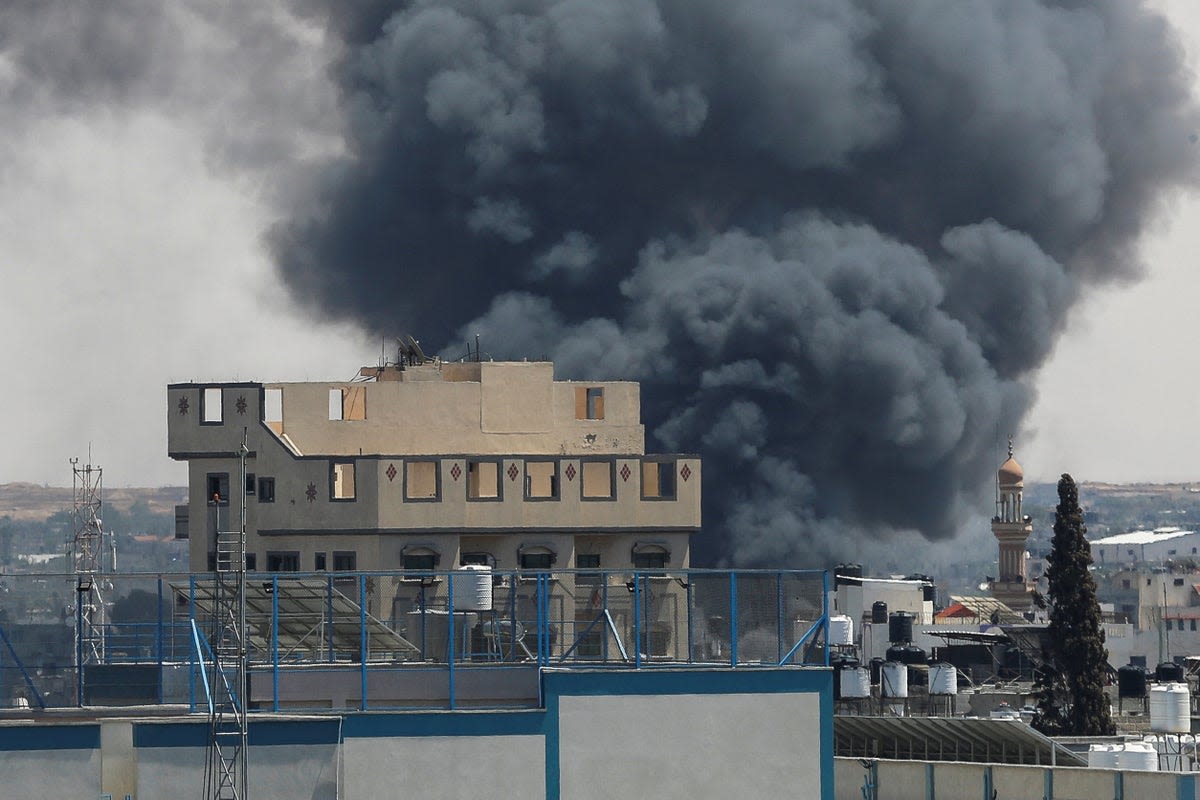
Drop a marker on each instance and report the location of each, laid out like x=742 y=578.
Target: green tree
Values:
x=1070 y=685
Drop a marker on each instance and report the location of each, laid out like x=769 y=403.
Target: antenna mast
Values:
x=87 y=564
x=225 y=767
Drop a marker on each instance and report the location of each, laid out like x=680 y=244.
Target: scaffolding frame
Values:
x=87 y=489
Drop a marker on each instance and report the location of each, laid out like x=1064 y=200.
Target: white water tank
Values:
x=473 y=588
x=1139 y=756
x=894 y=680
x=1170 y=708
x=855 y=683
x=1103 y=756
x=943 y=679
x=841 y=630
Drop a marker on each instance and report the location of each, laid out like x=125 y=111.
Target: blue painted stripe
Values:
x=445 y=723
x=826 y=723
x=743 y=680
x=50 y=737
x=1185 y=787
x=553 y=750
x=262 y=733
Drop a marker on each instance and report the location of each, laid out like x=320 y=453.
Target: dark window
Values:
x=481 y=558
x=212 y=561
x=218 y=488
x=1179 y=581
x=251 y=561
x=420 y=562
x=249 y=483
x=266 y=490
x=651 y=559
x=319 y=562
x=1193 y=624
x=344 y=562
x=283 y=562
x=1125 y=584
x=537 y=560
x=658 y=480
x=587 y=561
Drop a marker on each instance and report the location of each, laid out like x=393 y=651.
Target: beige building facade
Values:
x=429 y=467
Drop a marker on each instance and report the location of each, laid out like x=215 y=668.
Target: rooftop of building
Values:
x=1144 y=537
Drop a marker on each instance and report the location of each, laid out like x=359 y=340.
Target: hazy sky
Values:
x=135 y=187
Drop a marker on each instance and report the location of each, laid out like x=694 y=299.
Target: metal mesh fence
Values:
x=400 y=640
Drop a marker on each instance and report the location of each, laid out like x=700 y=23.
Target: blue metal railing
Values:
x=408 y=640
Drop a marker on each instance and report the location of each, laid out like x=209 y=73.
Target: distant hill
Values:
x=29 y=501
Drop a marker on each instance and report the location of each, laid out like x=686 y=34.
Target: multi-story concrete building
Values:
x=426 y=467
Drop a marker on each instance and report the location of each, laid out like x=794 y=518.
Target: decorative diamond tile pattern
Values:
x=391 y=472
x=685 y=473
x=241 y=405
x=625 y=472
x=183 y=406
x=513 y=472
x=456 y=472
x=570 y=472
x=311 y=492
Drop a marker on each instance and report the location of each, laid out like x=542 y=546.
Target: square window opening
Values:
x=483 y=480
x=479 y=558
x=541 y=480
x=419 y=562
x=348 y=403
x=319 y=563
x=589 y=402
x=345 y=561
x=420 y=480
x=266 y=490
x=217 y=490
x=211 y=406
x=658 y=480
x=273 y=405
x=250 y=483
x=342 y=480
x=596 y=479
x=540 y=560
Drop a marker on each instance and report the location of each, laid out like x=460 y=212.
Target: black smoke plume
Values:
x=832 y=239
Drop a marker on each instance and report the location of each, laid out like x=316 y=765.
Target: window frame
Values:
x=266 y=489
x=207 y=404
x=333 y=481
x=288 y=557
x=612 y=480
x=341 y=558
x=664 y=467
x=473 y=466
x=555 y=481
x=436 y=465
x=222 y=485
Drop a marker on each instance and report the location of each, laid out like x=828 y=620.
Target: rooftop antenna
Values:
x=87 y=563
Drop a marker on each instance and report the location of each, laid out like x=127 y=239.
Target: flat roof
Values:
x=1144 y=537
x=989 y=741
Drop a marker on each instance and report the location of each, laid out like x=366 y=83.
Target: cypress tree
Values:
x=1070 y=685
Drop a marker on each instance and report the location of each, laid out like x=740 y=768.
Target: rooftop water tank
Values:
x=879 y=614
x=473 y=588
x=1131 y=681
x=900 y=627
x=1102 y=756
x=1168 y=672
x=943 y=679
x=1137 y=755
x=851 y=571
x=894 y=680
x=855 y=683
x=1170 y=708
x=906 y=654
x=841 y=630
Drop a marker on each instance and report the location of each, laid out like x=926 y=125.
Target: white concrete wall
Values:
x=50 y=773
x=445 y=767
x=680 y=745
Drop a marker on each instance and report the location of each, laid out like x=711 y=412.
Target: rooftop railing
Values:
x=467 y=638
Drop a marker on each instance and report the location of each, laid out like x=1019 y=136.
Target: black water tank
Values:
x=853 y=571
x=1131 y=681
x=879 y=614
x=906 y=654
x=900 y=624
x=876 y=667
x=1167 y=672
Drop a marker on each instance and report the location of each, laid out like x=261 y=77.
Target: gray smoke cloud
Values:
x=831 y=239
